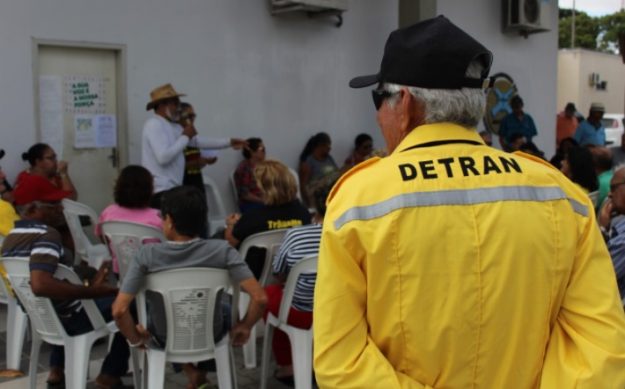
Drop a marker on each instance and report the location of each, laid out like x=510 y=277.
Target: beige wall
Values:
x=568 y=81
x=574 y=70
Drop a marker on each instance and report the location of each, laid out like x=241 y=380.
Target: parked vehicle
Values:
x=614 y=126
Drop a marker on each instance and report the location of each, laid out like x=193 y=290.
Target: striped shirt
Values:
x=616 y=245
x=299 y=243
x=42 y=245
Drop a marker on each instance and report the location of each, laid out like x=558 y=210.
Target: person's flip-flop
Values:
x=56 y=384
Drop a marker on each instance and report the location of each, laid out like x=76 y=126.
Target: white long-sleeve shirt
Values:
x=162 y=151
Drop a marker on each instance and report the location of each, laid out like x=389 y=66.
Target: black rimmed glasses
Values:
x=379 y=95
x=614 y=186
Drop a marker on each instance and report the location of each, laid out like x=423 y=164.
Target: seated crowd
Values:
x=33 y=226
x=32 y=223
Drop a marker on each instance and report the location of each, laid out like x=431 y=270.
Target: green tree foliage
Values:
x=594 y=33
x=612 y=26
x=587 y=30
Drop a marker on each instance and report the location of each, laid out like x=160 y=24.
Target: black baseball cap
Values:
x=433 y=54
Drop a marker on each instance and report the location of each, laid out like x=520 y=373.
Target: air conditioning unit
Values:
x=527 y=16
x=323 y=6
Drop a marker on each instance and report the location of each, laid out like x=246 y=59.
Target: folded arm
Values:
x=44 y=284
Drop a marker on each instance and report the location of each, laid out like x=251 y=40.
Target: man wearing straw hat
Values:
x=164 y=140
x=451 y=264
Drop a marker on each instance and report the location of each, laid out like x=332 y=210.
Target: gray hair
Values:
x=464 y=107
x=618 y=167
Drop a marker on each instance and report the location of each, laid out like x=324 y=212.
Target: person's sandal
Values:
x=60 y=384
x=118 y=384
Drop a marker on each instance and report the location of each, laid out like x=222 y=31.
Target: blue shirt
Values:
x=588 y=134
x=511 y=125
x=616 y=245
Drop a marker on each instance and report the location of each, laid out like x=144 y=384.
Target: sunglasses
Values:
x=379 y=95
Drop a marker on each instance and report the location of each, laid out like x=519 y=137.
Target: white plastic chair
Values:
x=126 y=238
x=296 y=176
x=594 y=197
x=93 y=254
x=216 y=209
x=301 y=339
x=270 y=241
x=16 y=325
x=233 y=187
x=46 y=326
x=189 y=298
x=17 y=322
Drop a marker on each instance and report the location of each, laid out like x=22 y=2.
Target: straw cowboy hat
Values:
x=160 y=93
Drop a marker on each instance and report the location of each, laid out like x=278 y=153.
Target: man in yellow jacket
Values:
x=451 y=264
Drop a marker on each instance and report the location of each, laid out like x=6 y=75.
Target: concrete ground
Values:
x=247 y=378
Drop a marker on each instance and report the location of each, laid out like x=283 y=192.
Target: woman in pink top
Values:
x=133 y=190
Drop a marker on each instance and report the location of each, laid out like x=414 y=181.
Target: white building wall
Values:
x=246 y=72
x=531 y=62
x=577 y=65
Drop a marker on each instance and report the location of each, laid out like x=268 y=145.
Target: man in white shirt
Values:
x=164 y=140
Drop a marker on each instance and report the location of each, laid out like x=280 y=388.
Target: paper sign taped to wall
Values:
x=106 y=131
x=95 y=131
x=51 y=111
x=84 y=94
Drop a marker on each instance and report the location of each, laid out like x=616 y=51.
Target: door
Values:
x=78 y=104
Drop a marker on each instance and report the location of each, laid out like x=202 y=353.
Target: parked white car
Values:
x=614 y=126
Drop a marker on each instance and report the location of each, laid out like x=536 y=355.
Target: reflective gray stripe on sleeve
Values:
x=457 y=197
x=579 y=207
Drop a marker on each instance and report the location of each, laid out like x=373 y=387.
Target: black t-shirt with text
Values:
x=292 y=214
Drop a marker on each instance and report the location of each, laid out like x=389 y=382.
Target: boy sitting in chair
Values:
x=184 y=213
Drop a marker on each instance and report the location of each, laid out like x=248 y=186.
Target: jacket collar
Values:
x=438 y=132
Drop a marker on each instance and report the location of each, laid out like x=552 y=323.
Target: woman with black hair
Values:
x=565 y=145
x=46 y=180
x=315 y=165
x=363 y=147
x=132 y=194
x=578 y=167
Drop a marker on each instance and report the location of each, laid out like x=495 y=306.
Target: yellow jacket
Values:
x=450 y=264
x=8 y=216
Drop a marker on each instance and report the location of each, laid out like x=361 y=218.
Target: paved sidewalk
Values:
x=247 y=378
